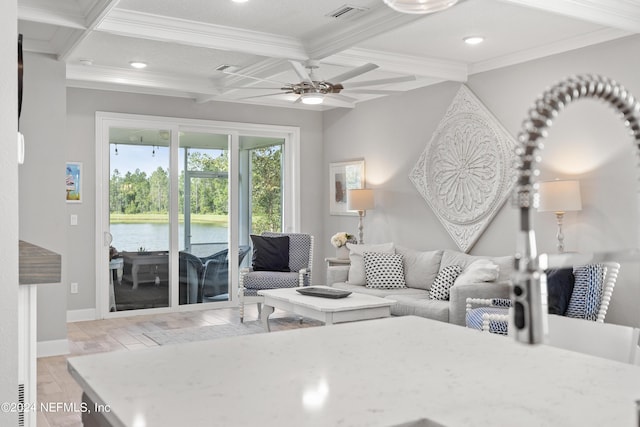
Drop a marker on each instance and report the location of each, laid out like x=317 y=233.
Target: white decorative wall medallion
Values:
x=467 y=170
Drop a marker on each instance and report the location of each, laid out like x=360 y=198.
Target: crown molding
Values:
x=595 y=37
x=374 y=22
x=620 y=14
x=135 y=78
x=173 y=30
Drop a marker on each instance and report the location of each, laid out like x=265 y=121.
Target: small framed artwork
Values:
x=73 y=182
x=344 y=176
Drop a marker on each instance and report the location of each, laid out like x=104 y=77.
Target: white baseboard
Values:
x=52 y=348
x=81 y=315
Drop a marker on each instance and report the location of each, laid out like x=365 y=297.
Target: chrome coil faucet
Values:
x=529 y=285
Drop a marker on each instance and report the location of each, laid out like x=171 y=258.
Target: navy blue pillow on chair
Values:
x=559 y=287
x=270 y=253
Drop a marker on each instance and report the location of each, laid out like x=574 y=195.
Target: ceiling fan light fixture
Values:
x=312 y=98
x=138 y=64
x=420 y=6
x=473 y=40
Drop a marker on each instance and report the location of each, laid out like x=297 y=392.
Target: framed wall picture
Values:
x=344 y=176
x=73 y=182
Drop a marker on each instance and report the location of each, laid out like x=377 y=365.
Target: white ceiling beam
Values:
x=96 y=14
x=172 y=30
x=404 y=64
x=375 y=22
x=621 y=14
x=50 y=15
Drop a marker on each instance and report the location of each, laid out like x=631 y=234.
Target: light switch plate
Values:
x=74 y=219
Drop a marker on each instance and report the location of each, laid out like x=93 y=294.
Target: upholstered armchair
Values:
x=589 y=299
x=280 y=260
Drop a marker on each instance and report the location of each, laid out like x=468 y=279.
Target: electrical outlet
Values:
x=74 y=288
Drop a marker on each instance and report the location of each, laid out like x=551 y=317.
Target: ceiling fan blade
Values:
x=381 y=81
x=265 y=95
x=372 y=91
x=353 y=73
x=255 y=78
x=254 y=87
x=301 y=72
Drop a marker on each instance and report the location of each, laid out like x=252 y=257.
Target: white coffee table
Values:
x=328 y=310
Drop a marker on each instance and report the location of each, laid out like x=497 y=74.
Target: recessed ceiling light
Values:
x=239 y=1
x=138 y=64
x=420 y=6
x=473 y=40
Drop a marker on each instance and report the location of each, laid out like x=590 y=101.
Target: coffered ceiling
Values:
x=184 y=42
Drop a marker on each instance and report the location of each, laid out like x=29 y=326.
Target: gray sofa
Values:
x=420 y=270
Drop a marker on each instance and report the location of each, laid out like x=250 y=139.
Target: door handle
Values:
x=108 y=238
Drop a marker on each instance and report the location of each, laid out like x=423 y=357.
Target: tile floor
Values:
x=55 y=384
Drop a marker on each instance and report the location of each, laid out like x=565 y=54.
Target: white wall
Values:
x=81 y=107
x=588 y=142
x=8 y=211
x=42 y=205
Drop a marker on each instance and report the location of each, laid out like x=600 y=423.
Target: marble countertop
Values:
x=382 y=372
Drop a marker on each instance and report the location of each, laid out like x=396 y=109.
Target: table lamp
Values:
x=360 y=200
x=559 y=197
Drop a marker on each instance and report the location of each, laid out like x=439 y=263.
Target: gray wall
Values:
x=81 y=107
x=588 y=142
x=42 y=205
x=8 y=211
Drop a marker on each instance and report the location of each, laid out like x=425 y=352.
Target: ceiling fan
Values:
x=313 y=90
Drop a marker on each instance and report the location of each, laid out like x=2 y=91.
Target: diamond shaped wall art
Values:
x=467 y=170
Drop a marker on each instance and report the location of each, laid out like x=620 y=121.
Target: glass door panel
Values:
x=204 y=218
x=139 y=218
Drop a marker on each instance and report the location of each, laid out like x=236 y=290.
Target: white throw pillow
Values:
x=482 y=270
x=384 y=271
x=357 y=274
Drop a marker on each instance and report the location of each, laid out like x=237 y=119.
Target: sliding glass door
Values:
x=176 y=203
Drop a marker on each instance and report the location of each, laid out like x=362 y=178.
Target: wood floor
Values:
x=55 y=384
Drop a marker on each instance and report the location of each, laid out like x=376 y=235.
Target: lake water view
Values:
x=155 y=237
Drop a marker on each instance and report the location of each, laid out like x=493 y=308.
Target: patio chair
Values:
x=297 y=273
x=215 y=279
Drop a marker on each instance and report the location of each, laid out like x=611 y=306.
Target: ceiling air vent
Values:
x=346 y=12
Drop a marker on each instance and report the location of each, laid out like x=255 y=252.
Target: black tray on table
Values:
x=323 y=292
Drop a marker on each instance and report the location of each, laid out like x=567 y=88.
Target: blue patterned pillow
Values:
x=587 y=292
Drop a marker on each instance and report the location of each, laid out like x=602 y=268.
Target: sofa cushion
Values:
x=444 y=281
x=419 y=305
x=384 y=270
x=357 y=274
x=481 y=270
x=382 y=293
x=587 y=292
x=505 y=263
x=559 y=288
x=420 y=267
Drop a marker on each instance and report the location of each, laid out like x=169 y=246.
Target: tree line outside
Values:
x=138 y=197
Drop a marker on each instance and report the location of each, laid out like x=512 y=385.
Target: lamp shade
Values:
x=419 y=6
x=559 y=196
x=360 y=199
